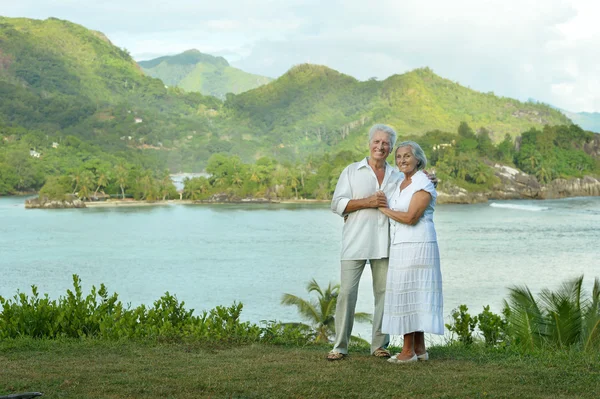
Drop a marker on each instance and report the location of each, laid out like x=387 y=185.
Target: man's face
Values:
x=380 y=146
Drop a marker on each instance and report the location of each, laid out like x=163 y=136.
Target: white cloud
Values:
x=516 y=48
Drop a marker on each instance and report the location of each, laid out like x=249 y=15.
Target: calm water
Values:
x=215 y=255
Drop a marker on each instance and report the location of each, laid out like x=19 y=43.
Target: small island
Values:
x=558 y=162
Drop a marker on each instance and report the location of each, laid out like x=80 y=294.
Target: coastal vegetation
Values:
x=46 y=345
x=70 y=99
x=464 y=159
x=564 y=319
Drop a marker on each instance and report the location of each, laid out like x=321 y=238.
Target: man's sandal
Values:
x=381 y=352
x=333 y=356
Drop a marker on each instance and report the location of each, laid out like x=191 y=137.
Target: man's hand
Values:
x=376 y=200
x=379 y=200
x=432 y=177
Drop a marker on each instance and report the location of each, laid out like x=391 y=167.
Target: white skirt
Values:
x=413 y=296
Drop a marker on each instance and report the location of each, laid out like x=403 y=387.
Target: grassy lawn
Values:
x=101 y=369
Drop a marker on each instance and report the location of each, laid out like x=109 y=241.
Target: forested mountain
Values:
x=204 y=73
x=70 y=96
x=587 y=120
x=313 y=106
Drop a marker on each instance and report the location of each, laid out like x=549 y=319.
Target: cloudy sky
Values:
x=546 y=50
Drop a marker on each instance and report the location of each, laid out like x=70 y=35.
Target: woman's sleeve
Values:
x=426 y=185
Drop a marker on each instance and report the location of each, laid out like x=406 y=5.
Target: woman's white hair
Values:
x=380 y=127
x=417 y=152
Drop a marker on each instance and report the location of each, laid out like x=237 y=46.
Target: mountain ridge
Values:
x=193 y=70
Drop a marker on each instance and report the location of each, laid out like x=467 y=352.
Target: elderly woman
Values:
x=413 y=299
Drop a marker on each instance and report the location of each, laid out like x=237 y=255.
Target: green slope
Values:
x=63 y=83
x=312 y=106
x=204 y=73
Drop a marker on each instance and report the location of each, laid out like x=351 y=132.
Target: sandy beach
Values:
x=134 y=203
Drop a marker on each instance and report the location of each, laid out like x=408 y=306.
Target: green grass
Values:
x=129 y=369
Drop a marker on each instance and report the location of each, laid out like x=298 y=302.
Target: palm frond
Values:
x=564 y=312
x=301 y=326
x=314 y=286
x=591 y=320
x=525 y=318
x=363 y=317
x=305 y=308
x=354 y=340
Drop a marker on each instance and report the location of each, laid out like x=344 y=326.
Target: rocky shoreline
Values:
x=515 y=184
x=44 y=203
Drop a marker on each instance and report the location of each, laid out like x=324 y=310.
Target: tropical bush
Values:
x=103 y=316
x=464 y=324
x=567 y=318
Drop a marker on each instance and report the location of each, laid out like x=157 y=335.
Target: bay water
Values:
x=209 y=255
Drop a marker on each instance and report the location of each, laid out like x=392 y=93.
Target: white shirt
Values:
x=424 y=230
x=366 y=232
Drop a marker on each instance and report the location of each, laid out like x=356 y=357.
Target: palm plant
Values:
x=86 y=184
x=320 y=312
x=561 y=318
x=122 y=176
x=102 y=181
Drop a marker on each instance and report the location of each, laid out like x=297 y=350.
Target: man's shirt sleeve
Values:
x=342 y=194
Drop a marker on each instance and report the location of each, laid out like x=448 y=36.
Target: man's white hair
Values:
x=380 y=127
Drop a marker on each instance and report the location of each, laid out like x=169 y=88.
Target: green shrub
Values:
x=464 y=324
x=492 y=326
x=103 y=316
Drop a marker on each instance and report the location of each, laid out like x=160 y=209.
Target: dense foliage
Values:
x=555 y=152
x=567 y=318
x=101 y=315
x=463 y=159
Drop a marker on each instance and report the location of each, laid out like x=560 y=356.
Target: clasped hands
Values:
x=378 y=200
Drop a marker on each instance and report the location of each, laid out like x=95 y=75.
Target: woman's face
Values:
x=406 y=161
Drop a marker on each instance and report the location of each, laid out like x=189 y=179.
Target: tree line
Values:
x=465 y=159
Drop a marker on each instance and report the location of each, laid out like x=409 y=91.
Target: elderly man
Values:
x=362 y=188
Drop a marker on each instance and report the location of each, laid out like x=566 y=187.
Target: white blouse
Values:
x=424 y=230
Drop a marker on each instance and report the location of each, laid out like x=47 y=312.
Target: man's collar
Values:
x=365 y=163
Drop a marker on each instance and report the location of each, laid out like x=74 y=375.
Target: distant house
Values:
x=34 y=153
x=138 y=120
x=441 y=146
x=55 y=145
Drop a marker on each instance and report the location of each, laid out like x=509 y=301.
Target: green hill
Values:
x=587 y=120
x=204 y=73
x=313 y=106
x=62 y=83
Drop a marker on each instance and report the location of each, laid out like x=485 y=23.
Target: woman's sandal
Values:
x=381 y=352
x=333 y=356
